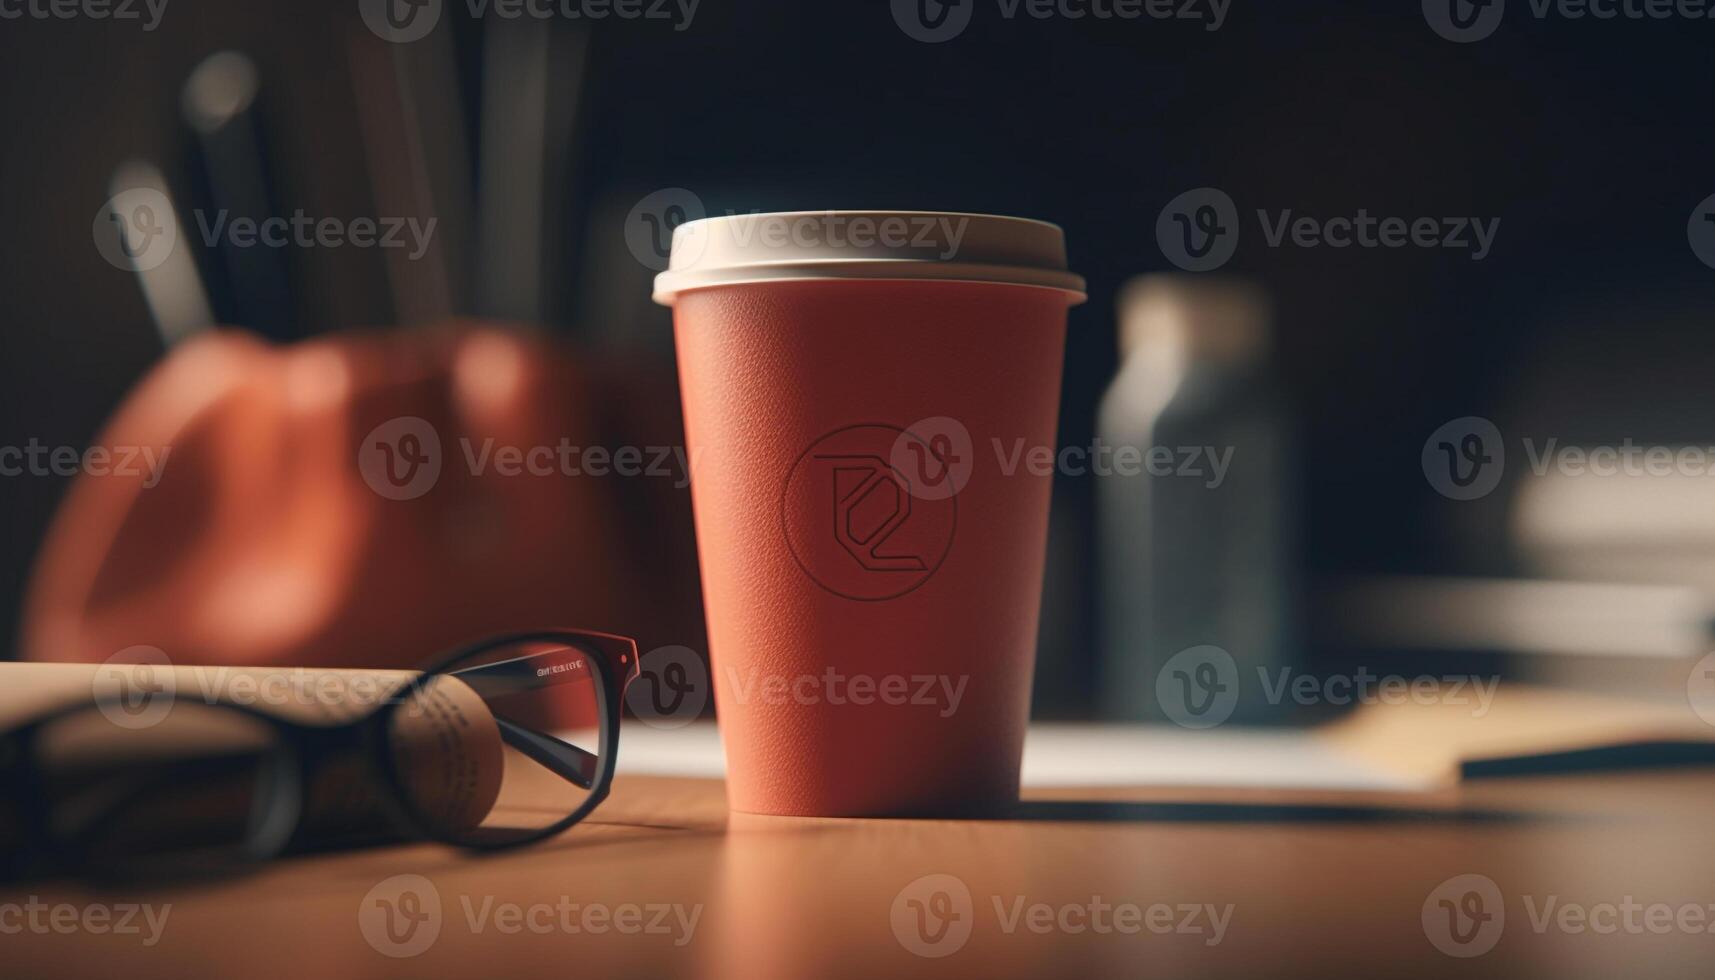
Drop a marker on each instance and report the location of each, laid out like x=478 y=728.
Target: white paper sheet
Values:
x=1091 y=755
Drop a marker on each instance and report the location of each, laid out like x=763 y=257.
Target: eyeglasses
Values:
x=500 y=744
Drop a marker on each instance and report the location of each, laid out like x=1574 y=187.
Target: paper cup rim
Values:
x=728 y=250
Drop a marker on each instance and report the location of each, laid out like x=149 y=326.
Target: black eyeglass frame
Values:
x=614 y=658
x=57 y=853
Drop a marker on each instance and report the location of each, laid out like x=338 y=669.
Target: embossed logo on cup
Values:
x=856 y=523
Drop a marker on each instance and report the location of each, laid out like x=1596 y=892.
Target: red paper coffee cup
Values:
x=868 y=396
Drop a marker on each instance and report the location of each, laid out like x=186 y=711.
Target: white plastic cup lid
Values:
x=878 y=245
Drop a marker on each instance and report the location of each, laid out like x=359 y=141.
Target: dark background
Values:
x=1590 y=140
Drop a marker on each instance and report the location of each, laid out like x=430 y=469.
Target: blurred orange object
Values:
x=265 y=543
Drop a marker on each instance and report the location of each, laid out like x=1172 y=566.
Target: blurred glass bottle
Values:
x=1198 y=541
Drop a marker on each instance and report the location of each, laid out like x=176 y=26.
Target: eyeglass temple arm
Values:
x=567 y=761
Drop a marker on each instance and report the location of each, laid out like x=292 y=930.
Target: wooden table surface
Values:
x=1301 y=885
